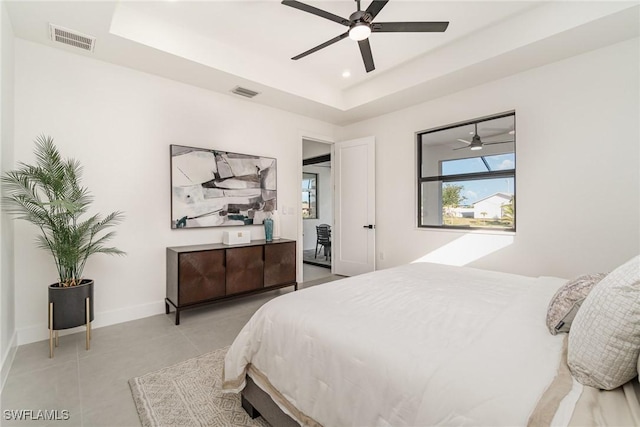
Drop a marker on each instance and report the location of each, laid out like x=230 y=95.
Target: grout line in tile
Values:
x=188 y=339
x=79 y=386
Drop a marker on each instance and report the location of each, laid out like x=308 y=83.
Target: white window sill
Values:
x=467 y=231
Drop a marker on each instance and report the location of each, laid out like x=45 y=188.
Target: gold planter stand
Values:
x=54 y=336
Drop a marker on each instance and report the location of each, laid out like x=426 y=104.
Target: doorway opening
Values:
x=317 y=209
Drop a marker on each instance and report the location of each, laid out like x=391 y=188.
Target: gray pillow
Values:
x=604 y=343
x=565 y=303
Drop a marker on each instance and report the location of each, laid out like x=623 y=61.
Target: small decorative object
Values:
x=211 y=188
x=49 y=196
x=268 y=229
x=236 y=237
x=276 y=225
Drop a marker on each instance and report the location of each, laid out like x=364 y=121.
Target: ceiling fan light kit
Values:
x=361 y=26
x=359 y=31
x=476 y=142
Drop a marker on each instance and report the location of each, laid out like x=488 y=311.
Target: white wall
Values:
x=119 y=124
x=312 y=149
x=577 y=141
x=7 y=283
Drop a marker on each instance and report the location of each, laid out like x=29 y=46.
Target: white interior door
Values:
x=354 y=234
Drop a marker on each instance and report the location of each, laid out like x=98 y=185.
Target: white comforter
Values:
x=417 y=345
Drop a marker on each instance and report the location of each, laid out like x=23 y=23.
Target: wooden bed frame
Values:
x=256 y=402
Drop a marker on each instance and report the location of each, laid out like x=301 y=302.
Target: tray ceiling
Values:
x=219 y=45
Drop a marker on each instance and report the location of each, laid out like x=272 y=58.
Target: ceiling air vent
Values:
x=247 y=93
x=71 y=37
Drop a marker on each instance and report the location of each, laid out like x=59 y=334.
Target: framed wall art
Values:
x=212 y=188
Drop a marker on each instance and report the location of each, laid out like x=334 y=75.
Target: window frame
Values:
x=453 y=178
x=315 y=195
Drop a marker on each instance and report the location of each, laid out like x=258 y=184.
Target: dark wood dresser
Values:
x=203 y=274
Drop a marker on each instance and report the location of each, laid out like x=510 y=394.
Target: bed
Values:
x=418 y=345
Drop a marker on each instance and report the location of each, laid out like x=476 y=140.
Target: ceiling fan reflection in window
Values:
x=476 y=142
x=361 y=25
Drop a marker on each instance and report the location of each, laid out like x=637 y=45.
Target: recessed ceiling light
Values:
x=346 y=73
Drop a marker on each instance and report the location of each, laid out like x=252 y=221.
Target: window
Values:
x=467 y=173
x=310 y=195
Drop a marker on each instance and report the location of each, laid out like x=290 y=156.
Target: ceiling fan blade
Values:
x=375 y=7
x=490 y=129
x=409 y=27
x=367 y=57
x=496 y=142
x=465 y=141
x=316 y=11
x=321 y=46
x=460 y=148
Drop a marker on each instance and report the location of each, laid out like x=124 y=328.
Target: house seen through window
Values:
x=467 y=173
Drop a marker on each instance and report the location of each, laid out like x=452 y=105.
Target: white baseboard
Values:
x=41 y=332
x=7 y=360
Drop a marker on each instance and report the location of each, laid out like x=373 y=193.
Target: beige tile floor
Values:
x=92 y=385
x=312 y=272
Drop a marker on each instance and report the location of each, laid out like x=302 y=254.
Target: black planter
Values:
x=69 y=304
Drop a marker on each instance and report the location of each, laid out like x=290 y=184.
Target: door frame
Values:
x=310 y=136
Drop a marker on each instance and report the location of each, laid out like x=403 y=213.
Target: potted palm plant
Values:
x=49 y=196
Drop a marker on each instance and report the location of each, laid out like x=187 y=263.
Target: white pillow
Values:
x=604 y=342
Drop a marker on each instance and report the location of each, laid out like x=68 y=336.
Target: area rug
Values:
x=189 y=394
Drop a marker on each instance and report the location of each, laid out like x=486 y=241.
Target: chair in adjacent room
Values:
x=323 y=233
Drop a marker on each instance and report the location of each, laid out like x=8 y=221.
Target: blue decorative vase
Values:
x=268 y=229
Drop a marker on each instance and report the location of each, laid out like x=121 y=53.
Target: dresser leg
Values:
x=166 y=307
x=177 y=316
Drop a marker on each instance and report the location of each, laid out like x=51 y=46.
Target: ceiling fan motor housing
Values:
x=360 y=16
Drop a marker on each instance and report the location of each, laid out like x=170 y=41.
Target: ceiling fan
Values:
x=476 y=143
x=361 y=25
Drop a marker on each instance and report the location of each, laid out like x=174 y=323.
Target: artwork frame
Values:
x=217 y=188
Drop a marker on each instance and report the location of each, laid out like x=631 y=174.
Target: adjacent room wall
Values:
x=119 y=123
x=7 y=283
x=578 y=206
